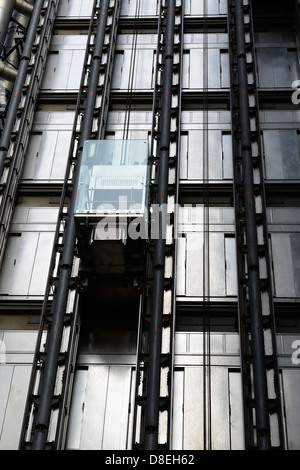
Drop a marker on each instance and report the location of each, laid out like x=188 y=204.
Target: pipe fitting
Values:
x=24 y=7
x=7 y=72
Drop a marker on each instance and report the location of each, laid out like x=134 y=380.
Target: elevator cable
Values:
x=131 y=70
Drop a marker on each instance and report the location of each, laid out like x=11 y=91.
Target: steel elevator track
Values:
x=154 y=374
x=260 y=376
x=48 y=401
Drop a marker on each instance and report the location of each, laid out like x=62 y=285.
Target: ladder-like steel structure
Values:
x=49 y=395
x=260 y=376
x=155 y=361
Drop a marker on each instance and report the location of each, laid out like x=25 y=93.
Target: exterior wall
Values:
x=102 y=404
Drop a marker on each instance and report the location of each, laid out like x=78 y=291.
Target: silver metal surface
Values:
x=80 y=8
x=65 y=62
x=27 y=257
x=99 y=418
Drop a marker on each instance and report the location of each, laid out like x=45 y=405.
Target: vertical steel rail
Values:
x=260 y=375
x=157 y=293
x=155 y=355
x=260 y=379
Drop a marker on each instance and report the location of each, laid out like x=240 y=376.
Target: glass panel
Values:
x=114 y=177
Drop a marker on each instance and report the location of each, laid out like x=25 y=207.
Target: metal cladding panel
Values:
x=144 y=63
x=79 y=8
x=145 y=8
x=281 y=152
x=291 y=384
x=47 y=156
x=277 y=67
x=193 y=277
x=199 y=7
x=194 y=141
x=14 y=381
x=99 y=417
x=27 y=257
x=217 y=74
x=226 y=410
x=65 y=61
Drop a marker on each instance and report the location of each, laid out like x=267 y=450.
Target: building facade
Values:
x=171 y=321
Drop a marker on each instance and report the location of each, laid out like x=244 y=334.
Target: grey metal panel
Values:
x=100 y=407
x=217 y=264
x=41 y=264
x=184 y=149
x=196 y=68
x=193 y=408
x=186 y=69
x=195 y=155
x=47 y=156
x=14 y=382
x=291 y=385
x=26 y=264
x=225 y=69
x=181 y=271
x=220 y=408
x=283 y=265
x=143 y=69
x=177 y=423
x=214 y=68
x=215 y=154
x=219 y=148
x=200 y=7
x=64 y=65
x=290 y=155
x=222 y=265
x=227 y=156
x=273 y=160
x=193 y=413
x=273 y=67
x=230 y=266
x=295 y=249
x=118 y=70
x=236 y=411
x=147 y=7
x=77 y=410
x=194 y=264
x=80 y=8
x=50 y=70
x=282 y=159
x=8 y=266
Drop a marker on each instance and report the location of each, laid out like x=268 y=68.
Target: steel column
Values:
x=157 y=294
x=260 y=374
x=260 y=379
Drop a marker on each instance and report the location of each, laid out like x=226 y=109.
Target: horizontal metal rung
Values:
x=163 y=402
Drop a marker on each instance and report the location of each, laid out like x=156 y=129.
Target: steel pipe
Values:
x=61 y=296
x=255 y=306
x=157 y=292
x=7 y=72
